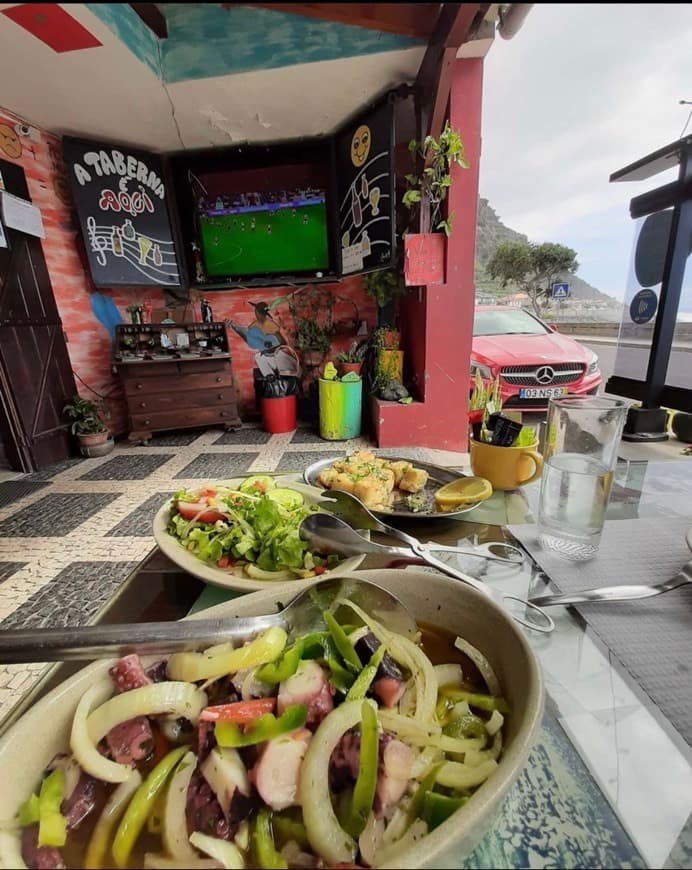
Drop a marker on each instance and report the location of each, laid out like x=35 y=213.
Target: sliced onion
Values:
x=412 y=657
x=410 y=732
x=175 y=698
x=449 y=675
x=276 y=576
x=84 y=748
x=386 y=854
x=371 y=839
x=223 y=851
x=101 y=836
x=452 y=774
x=153 y=861
x=326 y=836
x=194 y=667
x=425 y=762
x=481 y=662
x=493 y=725
x=174 y=820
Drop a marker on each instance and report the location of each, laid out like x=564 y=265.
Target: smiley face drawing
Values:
x=360 y=145
x=9 y=142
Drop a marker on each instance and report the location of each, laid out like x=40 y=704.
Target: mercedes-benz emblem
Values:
x=545 y=375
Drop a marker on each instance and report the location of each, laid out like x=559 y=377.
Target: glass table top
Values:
x=609 y=783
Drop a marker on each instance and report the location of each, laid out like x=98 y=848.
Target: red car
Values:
x=535 y=363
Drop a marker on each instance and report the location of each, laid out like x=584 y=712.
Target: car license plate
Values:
x=543 y=393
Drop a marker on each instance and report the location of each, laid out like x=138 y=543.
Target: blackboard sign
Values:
x=121 y=203
x=365 y=184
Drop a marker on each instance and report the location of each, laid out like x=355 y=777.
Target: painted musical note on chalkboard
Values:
x=121 y=203
x=366 y=185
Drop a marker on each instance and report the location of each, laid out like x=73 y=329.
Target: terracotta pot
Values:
x=94 y=439
x=346 y=367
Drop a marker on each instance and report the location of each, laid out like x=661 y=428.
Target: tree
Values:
x=532 y=268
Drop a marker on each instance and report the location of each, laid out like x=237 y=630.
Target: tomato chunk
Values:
x=199 y=510
x=241 y=712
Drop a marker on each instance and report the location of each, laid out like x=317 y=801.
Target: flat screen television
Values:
x=263 y=221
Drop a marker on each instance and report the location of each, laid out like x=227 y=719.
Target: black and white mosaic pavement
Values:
x=133 y=466
x=221 y=465
x=13 y=490
x=72 y=532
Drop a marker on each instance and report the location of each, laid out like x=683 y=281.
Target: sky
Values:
x=581 y=91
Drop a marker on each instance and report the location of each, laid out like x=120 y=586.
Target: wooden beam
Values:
x=152 y=17
x=405 y=19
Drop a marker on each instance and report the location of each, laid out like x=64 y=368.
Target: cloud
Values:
x=580 y=92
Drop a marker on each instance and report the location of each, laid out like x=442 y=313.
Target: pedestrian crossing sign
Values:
x=560 y=291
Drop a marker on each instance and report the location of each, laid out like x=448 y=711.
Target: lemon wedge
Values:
x=466 y=490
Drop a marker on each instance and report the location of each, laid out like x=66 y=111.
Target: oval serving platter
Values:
x=233 y=578
x=437 y=477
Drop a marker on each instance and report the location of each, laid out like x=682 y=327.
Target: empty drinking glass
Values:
x=581 y=444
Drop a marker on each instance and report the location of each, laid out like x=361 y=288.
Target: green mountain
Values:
x=490 y=233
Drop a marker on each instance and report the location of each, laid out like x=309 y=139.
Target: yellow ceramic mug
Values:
x=506 y=467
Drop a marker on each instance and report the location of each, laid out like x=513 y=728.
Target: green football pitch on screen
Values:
x=284 y=240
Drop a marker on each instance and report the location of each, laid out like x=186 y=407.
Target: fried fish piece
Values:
x=414 y=480
x=370 y=491
x=343 y=482
x=399 y=468
x=326 y=476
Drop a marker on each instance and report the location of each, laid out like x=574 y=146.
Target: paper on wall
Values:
x=21 y=215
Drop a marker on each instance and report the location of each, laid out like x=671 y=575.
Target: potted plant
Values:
x=427 y=191
x=88 y=425
x=351 y=360
x=313 y=342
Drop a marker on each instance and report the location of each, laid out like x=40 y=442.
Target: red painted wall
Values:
x=443 y=337
x=89 y=343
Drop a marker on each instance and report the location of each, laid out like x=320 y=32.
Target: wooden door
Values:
x=36 y=377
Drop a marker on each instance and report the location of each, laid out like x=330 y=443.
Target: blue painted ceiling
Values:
x=205 y=40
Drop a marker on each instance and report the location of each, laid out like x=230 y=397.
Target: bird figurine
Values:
x=264 y=333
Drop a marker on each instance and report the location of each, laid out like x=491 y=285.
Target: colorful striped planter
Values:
x=340 y=409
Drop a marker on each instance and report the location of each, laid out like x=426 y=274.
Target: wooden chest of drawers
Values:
x=178 y=394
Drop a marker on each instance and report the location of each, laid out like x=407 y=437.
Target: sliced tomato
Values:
x=204 y=493
x=319 y=569
x=199 y=510
x=226 y=562
x=241 y=712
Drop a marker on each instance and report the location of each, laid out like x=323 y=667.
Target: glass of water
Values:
x=581 y=449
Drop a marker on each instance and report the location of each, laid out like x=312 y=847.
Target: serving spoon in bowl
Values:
x=302 y=615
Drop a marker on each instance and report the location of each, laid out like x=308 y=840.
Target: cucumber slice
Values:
x=257 y=484
x=288 y=499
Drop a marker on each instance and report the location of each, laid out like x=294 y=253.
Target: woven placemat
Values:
x=652 y=638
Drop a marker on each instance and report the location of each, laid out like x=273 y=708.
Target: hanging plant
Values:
x=436 y=177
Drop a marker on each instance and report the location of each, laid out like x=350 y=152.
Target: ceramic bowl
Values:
x=43 y=731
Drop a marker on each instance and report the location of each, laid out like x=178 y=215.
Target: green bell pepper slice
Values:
x=52 y=825
x=465 y=726
x=343 y=644
x=480 y=702
x=137 y=812
x=288 y=825
x=266 y=727
x=28 y=812
x=263 y=843
x=364 y=790
x=415 y=808
x=276 y=672
x=437 y=808
x=366 y=677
